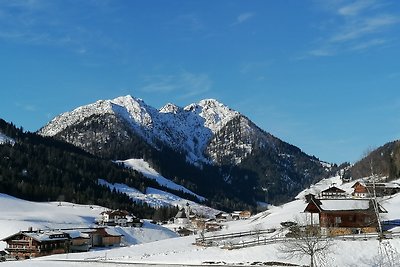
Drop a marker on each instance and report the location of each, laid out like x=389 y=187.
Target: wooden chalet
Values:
x=114 y=217
x=241 y=215
x=333 y=192
x=27 y=244
x=345 y=216
x=360 y=190
x=79 y=241
x=381 y=189
x=103 y=237
x=244 y=214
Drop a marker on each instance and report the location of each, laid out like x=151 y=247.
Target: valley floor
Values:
x=181 y=251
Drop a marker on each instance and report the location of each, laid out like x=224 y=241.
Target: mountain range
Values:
x=207 y=147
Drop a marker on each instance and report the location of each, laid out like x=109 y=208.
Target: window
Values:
x=338 y=220
x=351 y=218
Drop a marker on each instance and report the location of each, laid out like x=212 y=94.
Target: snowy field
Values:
x=352 y=253
x=18 y=215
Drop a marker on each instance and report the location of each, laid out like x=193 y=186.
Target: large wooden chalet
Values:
x=28 y=244
x=333 y=192
x=345 y=216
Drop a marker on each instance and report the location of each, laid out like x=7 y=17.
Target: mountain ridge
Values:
x=208 y=135
x=170 y=124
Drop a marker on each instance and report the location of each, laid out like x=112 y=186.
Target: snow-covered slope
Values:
x=144 y=167
x=157 y=198
x=17 y=214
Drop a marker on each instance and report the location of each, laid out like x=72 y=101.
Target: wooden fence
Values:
x=225 y=240
x=208 y=240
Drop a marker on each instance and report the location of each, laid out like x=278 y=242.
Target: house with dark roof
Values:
x=360 y=190
x=367 y=189
x=103 y=237
x=27 y=244
x=345 y=216
x=333 y=192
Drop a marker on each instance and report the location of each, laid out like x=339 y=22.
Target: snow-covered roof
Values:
x=76 y=234
x=112 y=232
x=344 y=204
x=43 y=236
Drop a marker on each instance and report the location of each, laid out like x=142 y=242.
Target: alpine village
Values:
x=225 y=184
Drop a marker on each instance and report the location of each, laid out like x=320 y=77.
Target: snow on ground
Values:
x=349 y=253
x=158 y=198
x=17 y=215
x=143 y=167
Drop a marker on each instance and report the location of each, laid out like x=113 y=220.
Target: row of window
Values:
x=338 y=219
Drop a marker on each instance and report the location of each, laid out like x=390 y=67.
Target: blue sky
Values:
x=322 y=75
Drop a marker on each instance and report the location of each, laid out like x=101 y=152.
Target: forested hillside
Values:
x=383 y=161
x=43 y=169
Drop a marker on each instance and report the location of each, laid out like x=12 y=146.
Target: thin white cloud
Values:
x=243 y=18
x=321 y=52
x=367 y=26
x=42 y=22
x=356 y=7
x=185 y=83
x=369 y=44
x=358 y=26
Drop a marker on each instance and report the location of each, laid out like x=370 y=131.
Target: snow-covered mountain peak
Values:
x=215 y=114
x=188 y=129
x=170 y=108
x=210 y=102
x=64 y=120
x=134 y=110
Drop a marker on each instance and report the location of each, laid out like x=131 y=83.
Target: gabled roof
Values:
x=332 y=205
x=77 y=234
x=181 y=214
x=333 y=189
x=115 y=212
x=42 y=236
x=344 y=204
x=358 y=183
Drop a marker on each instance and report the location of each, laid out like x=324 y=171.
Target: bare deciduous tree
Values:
x=387 y=255
x=307 y=242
